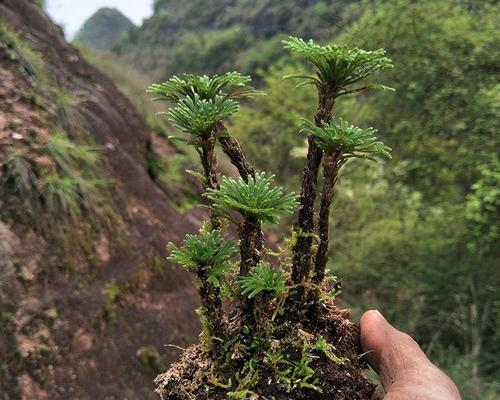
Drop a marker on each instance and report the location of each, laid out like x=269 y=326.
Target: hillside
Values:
x=84 y=286
x=103 y=29
x=214 y=36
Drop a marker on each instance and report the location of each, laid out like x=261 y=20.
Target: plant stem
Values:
x=331 y=167
x=252 y=238
x=232 y=149
x=251 y=243
x=212 y=303
x=210 y=294
x=209 y=163
x=302 y=249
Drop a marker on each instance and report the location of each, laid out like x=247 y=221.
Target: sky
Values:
x=71 y=14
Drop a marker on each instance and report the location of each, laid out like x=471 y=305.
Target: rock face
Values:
x=103 y=29
x=80 y=300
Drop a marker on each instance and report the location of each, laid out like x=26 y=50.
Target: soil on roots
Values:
x=311 y=358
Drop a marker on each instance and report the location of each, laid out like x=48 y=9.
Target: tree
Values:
x=279 y=315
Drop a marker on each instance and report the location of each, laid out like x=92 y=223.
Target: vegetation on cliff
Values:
x=103 y=29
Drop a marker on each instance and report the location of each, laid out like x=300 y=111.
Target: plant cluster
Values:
x=57 y=176
x=267 y=299
x=51 y=174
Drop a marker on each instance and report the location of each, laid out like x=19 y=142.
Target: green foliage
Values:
x=483 y=207
x=262 y=278
x=209 y=36
x=62 y=178
x=29 y=60
x=150 y=359
x=294 y=373
x=71 y=157
x=199 y=116
x=346 y=141
x=444 y=121
x=207 y=251
x=103 y=29
x=255 y=198
x=230 y=85
x=337 y=66
x=113 y=293
x=18 y=176
x=63 y=194
x=322 y=346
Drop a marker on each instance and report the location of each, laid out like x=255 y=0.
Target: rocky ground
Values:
x=86 y=308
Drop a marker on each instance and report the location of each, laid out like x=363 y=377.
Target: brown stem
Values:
x=212 y=303
x=302 y=249
x=251 y=244
x=252 y=228
x=210 y=294
x=330 y=173
x=209 y=163
x=232 y=149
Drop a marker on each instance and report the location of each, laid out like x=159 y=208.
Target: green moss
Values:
x=150 y=360
x=113 y=293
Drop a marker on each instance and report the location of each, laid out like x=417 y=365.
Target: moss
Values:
x=113 y=293
x=150 y=360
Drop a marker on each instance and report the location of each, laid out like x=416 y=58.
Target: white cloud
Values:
x=71 y=14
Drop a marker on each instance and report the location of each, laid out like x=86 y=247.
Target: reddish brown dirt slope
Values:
x=60 y=335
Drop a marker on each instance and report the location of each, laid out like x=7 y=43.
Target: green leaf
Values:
x=255 y=198
x=198 y=116
x=345 y=140
x=207 y=251
x=230 y=85
x=262 y=278
x=337 y=66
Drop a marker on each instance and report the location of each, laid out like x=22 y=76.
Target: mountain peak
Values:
x=104 y=29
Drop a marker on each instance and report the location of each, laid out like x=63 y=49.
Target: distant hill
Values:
x=208 y=36
x=104 y=29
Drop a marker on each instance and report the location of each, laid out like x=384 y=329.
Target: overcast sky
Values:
x=71 y=14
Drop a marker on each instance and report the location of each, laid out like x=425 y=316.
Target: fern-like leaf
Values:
x=255 y=198
x=198 y=116
x=345 y=140
x=262 y=278
x=230 y=85
x=207 y=251
x=338 y=66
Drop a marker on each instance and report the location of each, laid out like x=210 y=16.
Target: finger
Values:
x=378 y=395
x=404 y=369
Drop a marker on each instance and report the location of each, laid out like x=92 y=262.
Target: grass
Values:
x=72 y=157
x=29 y=60
x=63 y=189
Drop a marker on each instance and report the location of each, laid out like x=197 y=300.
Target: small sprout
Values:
x=322 y=346
x=255 y=198
x=346 y=141
x=206 y=251
x=262 y=278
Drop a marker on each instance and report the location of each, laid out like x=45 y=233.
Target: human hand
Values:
x=404 y=370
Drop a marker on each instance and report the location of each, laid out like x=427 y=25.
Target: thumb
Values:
x=404 y=369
